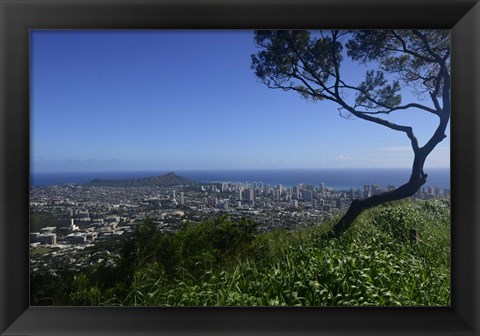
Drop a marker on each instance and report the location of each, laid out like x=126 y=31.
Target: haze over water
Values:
x=334 y=178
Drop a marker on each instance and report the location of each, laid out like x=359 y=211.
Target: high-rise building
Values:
x=307 y=195
x=278 y=195
x=181 y=198
x=366 y=191
x=211 y=201
x=295 y=193
x=224 y=186
x=223 y=205
x=250 y=195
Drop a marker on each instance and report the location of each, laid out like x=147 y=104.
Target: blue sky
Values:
x=166 y=100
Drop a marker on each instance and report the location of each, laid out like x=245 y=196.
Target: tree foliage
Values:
x=310 y=63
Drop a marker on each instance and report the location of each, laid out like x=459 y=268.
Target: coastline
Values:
x=341 y=178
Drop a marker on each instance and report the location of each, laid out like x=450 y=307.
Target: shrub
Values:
x=224 y=262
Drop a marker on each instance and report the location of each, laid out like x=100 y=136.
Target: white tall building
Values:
x=295 y=192
x=322 y=189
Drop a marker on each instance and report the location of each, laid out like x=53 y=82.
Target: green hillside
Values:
x=167 y=180
x=221 y=262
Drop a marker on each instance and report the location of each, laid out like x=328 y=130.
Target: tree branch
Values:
x=389 y=108
x=406 y=129
x=408 y=51
x=422 y=37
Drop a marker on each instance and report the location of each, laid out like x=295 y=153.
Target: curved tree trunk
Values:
x=289 y=68
x=417 y=177
x=359 y=205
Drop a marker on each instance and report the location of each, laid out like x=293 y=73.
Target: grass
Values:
x=40 y=251
x=375 y=263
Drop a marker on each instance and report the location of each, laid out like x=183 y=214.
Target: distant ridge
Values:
x=167 y=180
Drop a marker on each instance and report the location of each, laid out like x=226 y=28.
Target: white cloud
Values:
x=341 y=157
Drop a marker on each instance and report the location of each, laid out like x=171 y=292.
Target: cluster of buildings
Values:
x=87 y=215
x=257 y=195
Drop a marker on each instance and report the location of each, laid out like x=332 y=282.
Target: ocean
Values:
x=338 y=179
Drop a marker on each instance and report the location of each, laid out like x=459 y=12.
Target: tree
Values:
x=310 y=63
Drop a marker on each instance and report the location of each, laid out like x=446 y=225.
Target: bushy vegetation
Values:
x=39 y=220
x=223 y=262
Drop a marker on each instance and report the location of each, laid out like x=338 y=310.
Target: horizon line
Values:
x=224 y=169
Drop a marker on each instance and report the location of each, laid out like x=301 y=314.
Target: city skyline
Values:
x=168 y=100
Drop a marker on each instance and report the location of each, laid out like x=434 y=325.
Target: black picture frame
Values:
x=18 y=17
